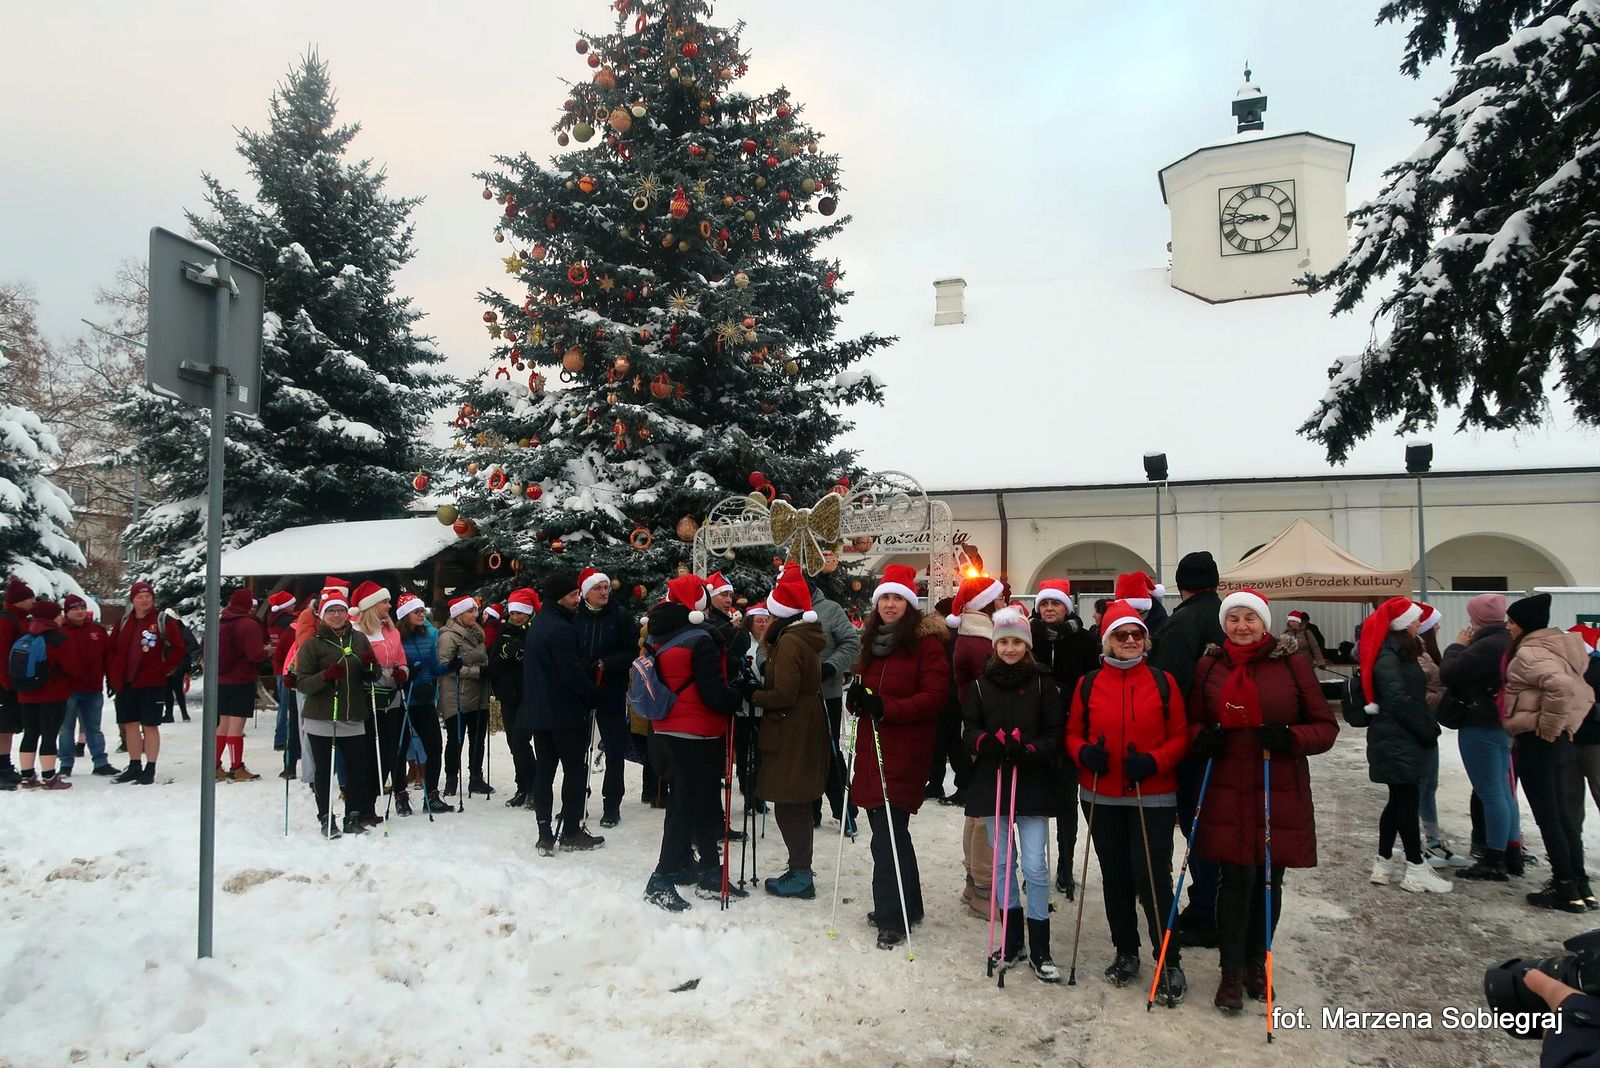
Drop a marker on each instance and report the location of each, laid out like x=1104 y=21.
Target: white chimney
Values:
x=949 y=301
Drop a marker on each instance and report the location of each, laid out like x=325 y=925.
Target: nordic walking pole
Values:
x=1144 y=832
x=727 y=810
x=894 y=848
x=994 y=864
x=1005 y=918
x=1183 y=871
x=399 y=756
x=838 y=864
x=1266 y=802
x=461 y=748
x=1077 y=929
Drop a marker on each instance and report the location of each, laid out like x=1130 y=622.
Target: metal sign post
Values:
x=205 y=350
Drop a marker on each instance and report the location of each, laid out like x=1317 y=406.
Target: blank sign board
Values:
x=185 y=279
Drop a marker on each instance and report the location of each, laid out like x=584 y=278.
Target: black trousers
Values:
x=746 y=730
x=1204 y=875
x=474 y=728
x=613 y=726
x=837 y=773
x=1541 y=767
x=885 y=892
x=1242 y=912
x=1120 y=845
x=41 y=726
x=175 y=697
x=565 y=748
x=1066 y=834
x=947 y=748
x=1400 y=817
x=360 y=772
x=397 y=726
x=520 y=742
x=694 y=810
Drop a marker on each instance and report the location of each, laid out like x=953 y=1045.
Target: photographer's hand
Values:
x=1554 y=991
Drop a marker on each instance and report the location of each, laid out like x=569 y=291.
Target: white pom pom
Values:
x=952 y=621
x=697 y=617
x=809 y=617
x=1160 y=591
x=1372 y=710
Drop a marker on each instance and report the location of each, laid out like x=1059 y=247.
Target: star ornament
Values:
x=729 y=332
x=606 y=283
x=681 y=301
x=513 y=264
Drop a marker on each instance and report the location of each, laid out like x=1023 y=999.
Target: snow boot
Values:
x=1255 y=979
x=221 y=776
x=353 y=825
x=1230 y=991
x=9 y=773
x=243 y=774
x=1196 y=930
x=1174 y=985
x=546 y=845
x=1039 y=952
x=147 y=775
x=129 y=774
x=402 y=803
x=1515 y=861
x=1490 y=868
x=1419 y=879
x=581 y=840
x=1438 y=855
x=329 y=831
x=517 y=800
x=661 y=893
x=1124 y=969
x=1066 y=885
x=612 y=814
x=1561 y=897
x=437 y=804
x=709 y=886
x=1382 y=867
x=1016 y=933
x=451 y=782
x=889 y=938
x=893 y=919
x=793 y=884
x=477 y=785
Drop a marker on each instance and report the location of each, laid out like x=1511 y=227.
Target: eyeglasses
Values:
x=1127 y=636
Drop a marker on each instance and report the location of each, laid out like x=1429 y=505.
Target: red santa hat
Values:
x=282 y=601
x=589 y=578
x=689 y=591
x=409 y=602
x=898 y=579
x=524 y=600
x=791 y=596
x=1397 y=613
x=1431 y=617
x=1120 y=614
x=1054 y=590
x=1297 y=616
x=493 y=611
x=332 y=597
x=461 y=604
x=1139 y=590
x=369 y=595
x=334 y=582
x=758 y=609
x=974 y=593
x=1246 y=598
x=716 y=584
x=1589 y=635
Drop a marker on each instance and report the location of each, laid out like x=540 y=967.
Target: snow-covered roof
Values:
x=335 y=548
x=1070 y=381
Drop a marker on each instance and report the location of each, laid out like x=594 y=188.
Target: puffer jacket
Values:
x=1545 y=690
x=422 y=661
x=914 y=685
x=696 y=671
x=344 y=699
x=1124 y=708
x=1471 y=675
x=1403 y=730
x=472 y=693
x=1034 y=709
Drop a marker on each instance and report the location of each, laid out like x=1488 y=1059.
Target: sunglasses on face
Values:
x=1128 y=636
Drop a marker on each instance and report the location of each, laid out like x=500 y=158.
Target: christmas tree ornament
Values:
x=772 y=162
x=679 y=206
x=534 y=492
x=855 y=585
x=783 y=195
x=472 y=468
x=761 y=183
x=587 y=183
x=827 y=205
x=605 y=79
x=583 y=46
x=558 y=546
x=562 y=139
x=638 y=110
x=639 y=591
x=740 y=279
x=620 y=366
x=572 y=360
x=582 y=132
x=783 y=111
x=488 y=194
x=808 y=186
x=641 y=202
x=488 y=316
x=514 y=489
x=536 y=383
x=495 y=561
x=462 y=527
x=687 y=528
x=661 y=386
x=578 y=274
x=683 y=569
x=496 y=480
x=420 y=482
x=620 y=120
x=689 y=50
x=791 y=368
x=499 y=237
x=516 y=564
x=749 y=215
x=727 y=554
x=640 y=538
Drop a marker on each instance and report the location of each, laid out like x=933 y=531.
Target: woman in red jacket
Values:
x=1126 y=733
x=902 y=684
x=43 y=696
x=1251 y=698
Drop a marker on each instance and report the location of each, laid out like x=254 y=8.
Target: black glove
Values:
x=745 y=686
x=1094 y=758
x=988 y=745
x=871 y=704
x=453 y=665
x=1137 y=766
x=828 y=672
x=1209 y=742
x=1276 y=738
x=1014 y=746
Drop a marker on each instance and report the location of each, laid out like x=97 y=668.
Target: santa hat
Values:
x=1054 y=590
x=332 y=597
x=898 y=579
x=1431 y=617
x=689 y=591
x=716 y=584
x=589 y=578
x=758 y=609
x=1298 y=616
x=524 y=600
x=1589 y=635
x=1139 y=590
x=282 y=601
x=973 y=594
x=1120 y=614
x=791 y=596
x=334 y=582
x=459 y=605
x=1010 y=622
x=1246 y=598
x=409 y=602
x=493 y=611
x=1397 y=613
x=369 y=595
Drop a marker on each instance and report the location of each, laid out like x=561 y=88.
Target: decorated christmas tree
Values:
x=666 y=336
x=345 y=385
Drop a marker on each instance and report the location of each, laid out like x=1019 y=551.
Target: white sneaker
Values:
x=1421 y=880
x=1380 y=871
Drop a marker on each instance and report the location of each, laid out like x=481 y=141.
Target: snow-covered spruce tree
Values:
x=346 y=386
x=1491 y=229
x=667 y=272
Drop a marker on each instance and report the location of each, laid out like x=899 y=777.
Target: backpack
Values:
x=29 y=664
x=650 y=696
x=1355 y=701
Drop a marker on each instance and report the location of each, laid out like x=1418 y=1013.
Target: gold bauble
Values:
x=740 y=279
x=515 y=489
x=808 y=185
x=749 y=215
x=638 y=110
x=622 y=122
x=446 y=514
x=761 y=181
x=499 y=238
x=758 y=499
x=790 y=367
x=472 y=469
x=687 y=528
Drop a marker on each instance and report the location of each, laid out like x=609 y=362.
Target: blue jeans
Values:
x=280 y=733
x=1428 y=795
x=1033 y=832
x=82 y=708
x=1486 y=752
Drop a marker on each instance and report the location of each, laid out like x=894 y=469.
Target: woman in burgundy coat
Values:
x=902 y=685
x=1249 y=699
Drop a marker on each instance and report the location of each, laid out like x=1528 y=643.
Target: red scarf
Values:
x=1241 y=701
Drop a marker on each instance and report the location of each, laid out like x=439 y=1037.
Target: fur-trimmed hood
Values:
x=1284 y=646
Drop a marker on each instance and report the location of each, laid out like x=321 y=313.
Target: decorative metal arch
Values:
x=885 y=512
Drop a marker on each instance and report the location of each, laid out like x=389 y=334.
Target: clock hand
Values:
x=1244 y=218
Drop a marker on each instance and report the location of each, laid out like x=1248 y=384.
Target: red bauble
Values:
x=689 y=50
x=583 y=46
x=488 y=316
x=783 y=111
x=462 y=527
x=535 y=492
x=750 y=147
x=695 y=150
x=420 y=483
x=488 y=194
x=844 y=481
x=827 y=205
x=772 y=161
x=757 y=480
x=783 y=195
x=594 y=60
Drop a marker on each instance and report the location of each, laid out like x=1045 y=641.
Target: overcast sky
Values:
x=1003 y=140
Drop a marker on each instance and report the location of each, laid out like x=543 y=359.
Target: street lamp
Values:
x=1419 y=458
x=1155 y=469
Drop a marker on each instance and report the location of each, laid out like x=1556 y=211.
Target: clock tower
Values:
x=1255 y=212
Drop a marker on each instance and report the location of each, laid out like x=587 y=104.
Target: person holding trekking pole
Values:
x=1250 y=696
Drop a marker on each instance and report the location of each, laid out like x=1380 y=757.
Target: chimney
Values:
x=949 y=303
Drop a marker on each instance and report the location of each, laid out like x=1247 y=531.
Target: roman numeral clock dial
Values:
x=1257 y=218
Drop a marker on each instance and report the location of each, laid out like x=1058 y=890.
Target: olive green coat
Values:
x=346 y=700
x=794 y=725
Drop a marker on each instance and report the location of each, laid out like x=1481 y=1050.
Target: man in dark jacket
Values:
x=558 y=701
x=1194 y=624
x=608 y=640
x=1064 y=648
x=504 y=672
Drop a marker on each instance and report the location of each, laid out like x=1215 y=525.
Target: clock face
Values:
x=1257 y=218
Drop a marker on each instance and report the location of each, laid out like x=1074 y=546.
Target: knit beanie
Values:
x=1487 y=608
x=1530 y=613
x=557 y=585
x=17 y=590
x=44 y=610
x=1197 y=571
x=73 y=601
x=1009 y=622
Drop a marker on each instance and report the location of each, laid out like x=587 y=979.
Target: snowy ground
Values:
x=453 y=944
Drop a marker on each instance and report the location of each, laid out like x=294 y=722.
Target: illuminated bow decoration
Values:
x=804 y=533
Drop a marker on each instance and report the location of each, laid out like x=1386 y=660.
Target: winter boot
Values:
x=546 y=845
x=147 y=775
x=477 y=785
x=1039 y=952
x=1230 y=990
x=329 y=831
x=1255 y=979
x=1123 y=969
x=1174 y=985
x=518 y=799
x=437 y=804
x=243 y=774
x=1590 y=902
x=451 y=782
x=709 y=886
x=1491 y=868
x=9 y=773
x=402 y=803
x=792 y=884
x=1016 y=928
x=1515 y=861
x=612 y=814
x=353 y=824
x=977 y=898
x=1561 y=897
x=1196 y=930
x=1438 y=855
x=894 y=919
x=581 y=840
x=106 y=769
x=1066 y=886
x=660 y=892
x=1419 y=879
x=129 y=773
x=889 y=938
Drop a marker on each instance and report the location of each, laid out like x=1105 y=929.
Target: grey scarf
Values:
x=883 y=643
